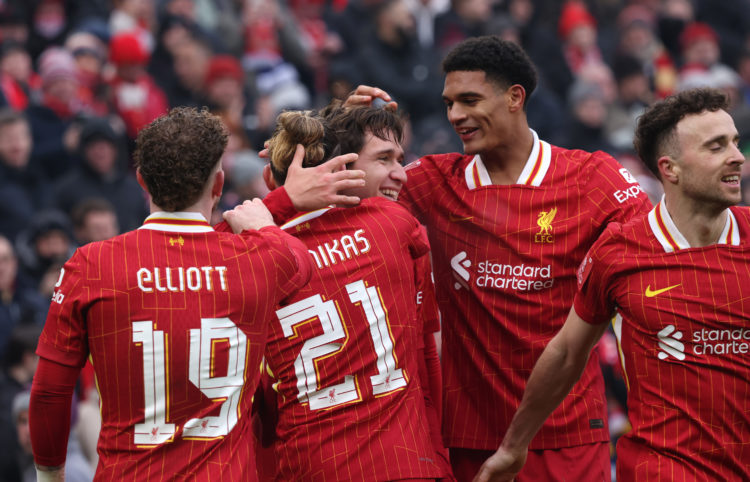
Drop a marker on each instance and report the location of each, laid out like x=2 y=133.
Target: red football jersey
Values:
x=344 y=351
x=683 y=327
x=504 y=258
x=174 y=317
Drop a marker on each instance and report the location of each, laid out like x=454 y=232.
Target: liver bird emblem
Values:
x=544 y=220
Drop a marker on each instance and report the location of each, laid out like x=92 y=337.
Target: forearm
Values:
x=49 y=414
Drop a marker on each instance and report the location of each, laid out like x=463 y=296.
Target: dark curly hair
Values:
x=176 y=153
x=332 y=131
x=655 y=133
x=503 y=62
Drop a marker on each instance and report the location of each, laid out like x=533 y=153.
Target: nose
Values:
x=455 y=114
x=737 y=156
x=398 y=173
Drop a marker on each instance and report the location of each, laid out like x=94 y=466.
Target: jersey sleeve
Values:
x=420 y=181
x=289 y=255
x=49 y=411
x=63 y=338
x=280 y=205
x=613 y=193
x=593 y=302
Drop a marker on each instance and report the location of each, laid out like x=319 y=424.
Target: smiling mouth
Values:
x=391 y=194
x=734 y=179
x=465 y=131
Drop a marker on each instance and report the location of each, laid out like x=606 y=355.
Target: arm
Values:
x=49 y=417
x=554 y=374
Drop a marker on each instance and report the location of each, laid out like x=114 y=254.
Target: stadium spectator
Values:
x=46 y=241
x=103 y=173
x=94 y=219
x=18 y=367
x=24 y=187
x=134 y=95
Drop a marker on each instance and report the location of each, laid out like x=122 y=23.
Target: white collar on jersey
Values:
x=533 y=173
x=671 y=239
x=304 y=217
x=177 y=222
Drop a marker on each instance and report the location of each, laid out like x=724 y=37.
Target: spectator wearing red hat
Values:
x=135 y=96
x=700 y=47
x=577 y=30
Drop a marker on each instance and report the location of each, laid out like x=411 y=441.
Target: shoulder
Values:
x=742 y=215
x=379 y=206
x=445 y=164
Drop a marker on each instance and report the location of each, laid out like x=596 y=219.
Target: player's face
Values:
x=384 y=173
x=477 y=110
x=709 y=161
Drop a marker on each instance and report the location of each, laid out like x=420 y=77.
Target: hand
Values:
x=366 y=95
x=312 y=188
x=501 y=466
x=249 y=215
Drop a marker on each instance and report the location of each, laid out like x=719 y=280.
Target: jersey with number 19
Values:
x=683 y=328
x=343 y=353
x=504 y=258
x=174 y=317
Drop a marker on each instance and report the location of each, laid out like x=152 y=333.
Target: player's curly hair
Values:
x=655 y=133
x=503 y=62
x=176 y=153
x=332 y=131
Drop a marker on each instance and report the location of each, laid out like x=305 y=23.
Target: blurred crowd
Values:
x=79 y=78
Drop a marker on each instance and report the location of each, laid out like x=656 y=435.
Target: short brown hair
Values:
x=334 y=130
x=656 y=127
x=176 y=153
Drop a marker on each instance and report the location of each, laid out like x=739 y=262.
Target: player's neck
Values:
x=202 y=207
x=701 y=225
x=505 y=163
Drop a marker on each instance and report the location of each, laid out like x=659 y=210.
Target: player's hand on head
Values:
x=502 y=466
x=316 y=187
x=249 y=215
x=367 y=95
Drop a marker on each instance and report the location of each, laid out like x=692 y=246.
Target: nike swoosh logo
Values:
x=651 y=294
x=455 y=219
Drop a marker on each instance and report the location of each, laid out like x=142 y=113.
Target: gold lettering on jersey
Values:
x=180 y=279
x=179 y=241
x=340 y=249
x=544 y=221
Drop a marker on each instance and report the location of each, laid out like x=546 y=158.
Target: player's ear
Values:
x=268 y=178
x=218 y=184
x=515 y=96
x=668 y=168
x=140 y=180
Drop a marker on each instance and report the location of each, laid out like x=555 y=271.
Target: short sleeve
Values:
x=593 y=301
x=64 y=337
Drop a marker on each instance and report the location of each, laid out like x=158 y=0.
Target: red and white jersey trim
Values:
x=672 y=239
x=304 y=217
x=177 y=222
x=533 y=173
